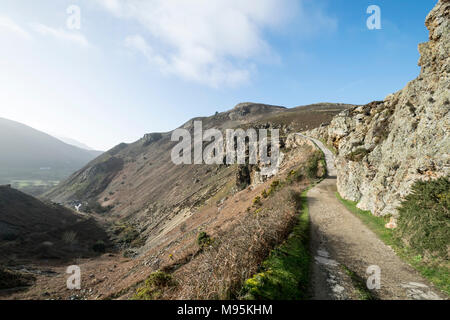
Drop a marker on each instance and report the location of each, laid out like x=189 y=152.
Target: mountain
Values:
x=138 y=182
x=30 y=155
x=75 y=143
x=132 y=175
x=386 y=146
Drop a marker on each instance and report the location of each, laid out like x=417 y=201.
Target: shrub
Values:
x=138 y=242
x=129 y=253
x=126 y=234
x=129 y=235
x=312 y=165
x=424 y=217
x=257 y=201
x=274 y=186
x=99 y=246
x=294 y=176
x=204 y=240
x=253 y=287
x=154 y=285
x=95 y=207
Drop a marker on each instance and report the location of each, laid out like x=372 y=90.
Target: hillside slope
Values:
x=32 y=230
x=240 y=228
x=139 y=183
x=385 y=146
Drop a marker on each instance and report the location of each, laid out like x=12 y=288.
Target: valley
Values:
x=217 y=200
x=355 y=206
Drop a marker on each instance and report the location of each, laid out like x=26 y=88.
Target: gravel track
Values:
x=340 y=242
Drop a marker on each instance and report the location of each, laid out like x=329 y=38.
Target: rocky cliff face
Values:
x=384 y=147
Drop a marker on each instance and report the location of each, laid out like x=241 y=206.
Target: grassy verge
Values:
x=285 y=273
x=431 y=269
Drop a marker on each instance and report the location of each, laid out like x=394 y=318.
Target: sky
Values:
x=108 y=71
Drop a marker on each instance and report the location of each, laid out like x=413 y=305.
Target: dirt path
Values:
x=343 y=248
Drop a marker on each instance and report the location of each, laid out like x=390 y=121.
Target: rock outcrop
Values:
x=385 y=146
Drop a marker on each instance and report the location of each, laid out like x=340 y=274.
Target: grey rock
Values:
x=406 y=136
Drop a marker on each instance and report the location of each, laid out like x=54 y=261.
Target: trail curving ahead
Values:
x=341 y=245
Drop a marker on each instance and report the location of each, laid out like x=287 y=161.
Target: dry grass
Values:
x=220 y=271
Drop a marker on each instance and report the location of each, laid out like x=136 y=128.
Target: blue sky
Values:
x=143 y=66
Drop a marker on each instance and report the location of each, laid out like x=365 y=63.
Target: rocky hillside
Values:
x=139 y=183
x=160 y=215
x=209 y=249
x=385 y=146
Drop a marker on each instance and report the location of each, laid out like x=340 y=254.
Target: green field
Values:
x=20 y=184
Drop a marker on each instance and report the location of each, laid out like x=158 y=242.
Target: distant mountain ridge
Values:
x=74 y=142
x=29 y=154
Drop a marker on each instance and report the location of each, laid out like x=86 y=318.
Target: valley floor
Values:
x=344 y=248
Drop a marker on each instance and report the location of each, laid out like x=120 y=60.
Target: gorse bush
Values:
x=99 y=247
x=313 y=164
x=154 y=285
x=424 y=220
x=204 y=240
x=434 y=269
x=264 y=194
x=274 y=186
x=257 y=201
x=159 y=279
x=127 y=235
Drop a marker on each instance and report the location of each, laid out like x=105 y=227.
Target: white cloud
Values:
x=7 y=24
x=200 y=67
x=61 y=34
x=213 y=42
